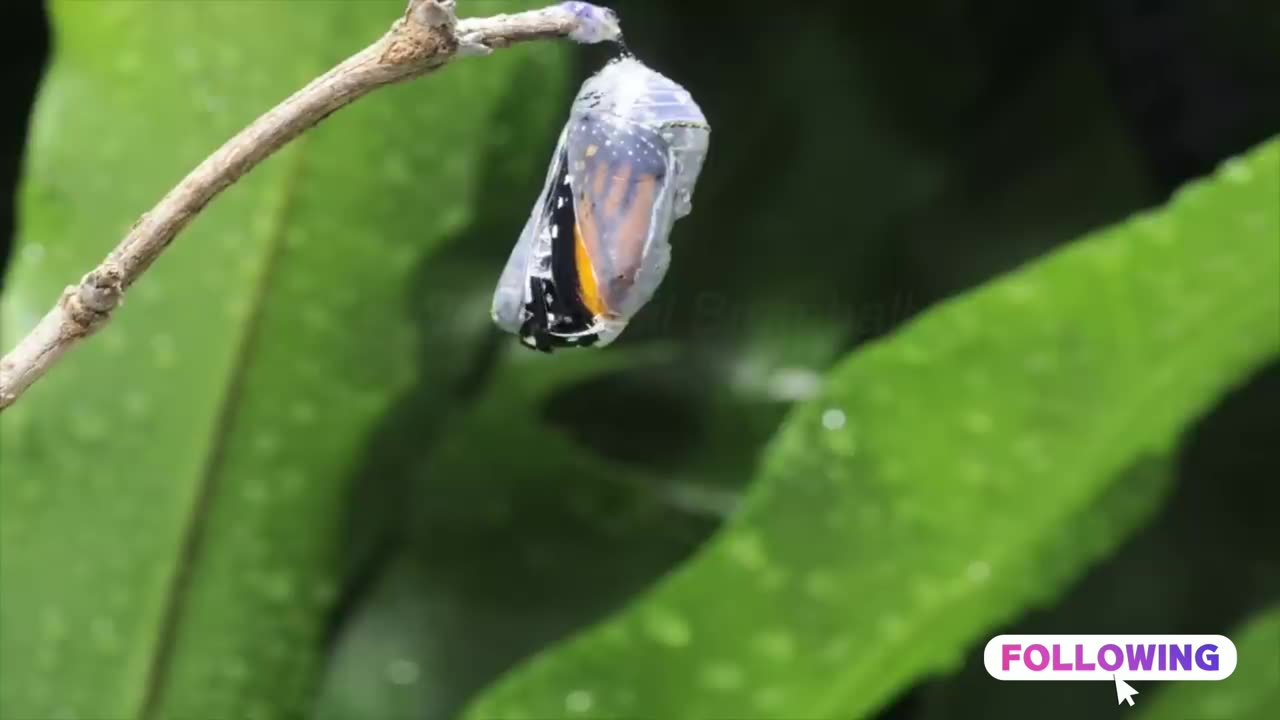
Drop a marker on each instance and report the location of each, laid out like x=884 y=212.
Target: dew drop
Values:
x=978 y=572
x=793 y=384
x=579 y=702
x=1237 y=171
x=402 y=671
x=747 y=550
x=667 y=628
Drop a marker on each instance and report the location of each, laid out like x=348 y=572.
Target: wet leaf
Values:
x=949 y=477
x=172 y=496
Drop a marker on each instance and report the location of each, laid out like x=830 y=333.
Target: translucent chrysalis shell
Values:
x=596 y=245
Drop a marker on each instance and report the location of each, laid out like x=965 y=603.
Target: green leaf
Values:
x=1252 y=691
x=172 y=496
x=950 y=477
x=518 y=536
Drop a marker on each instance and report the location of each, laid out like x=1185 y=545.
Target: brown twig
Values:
x=428 y=36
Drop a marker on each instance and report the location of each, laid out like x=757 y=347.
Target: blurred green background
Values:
x=964 y=336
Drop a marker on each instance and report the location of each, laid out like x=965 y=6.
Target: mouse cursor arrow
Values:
x=1124 y=691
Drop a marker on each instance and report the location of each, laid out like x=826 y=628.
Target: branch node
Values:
x=88 y=305
x=424 y=36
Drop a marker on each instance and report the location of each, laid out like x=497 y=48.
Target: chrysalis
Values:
x=596 y=245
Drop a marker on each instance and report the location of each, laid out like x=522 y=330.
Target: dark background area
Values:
x=1002 y=129
x=24 y=40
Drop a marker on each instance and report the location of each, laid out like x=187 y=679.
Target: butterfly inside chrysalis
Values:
x=596 y=245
